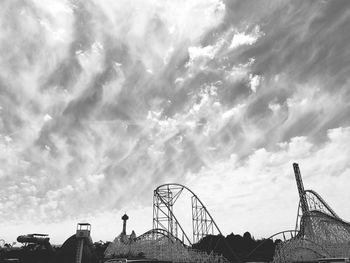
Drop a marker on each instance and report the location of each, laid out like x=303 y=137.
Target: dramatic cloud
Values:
x=100 y=102
x=260 y=192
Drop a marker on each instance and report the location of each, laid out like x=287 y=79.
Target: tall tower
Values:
x=303 y=204
x=83 y=233
x=301 y=190
x=124 y=218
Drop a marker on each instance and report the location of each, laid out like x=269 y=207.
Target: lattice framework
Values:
x=322 y=232
x=164 y=199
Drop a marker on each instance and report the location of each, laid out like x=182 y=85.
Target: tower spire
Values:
x=124 y=218
x=301 y=190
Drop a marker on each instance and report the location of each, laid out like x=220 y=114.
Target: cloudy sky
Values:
x=102 y=101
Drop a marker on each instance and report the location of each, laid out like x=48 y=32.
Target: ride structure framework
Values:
x=164 y=199
x=321 y=232
x=167 y=240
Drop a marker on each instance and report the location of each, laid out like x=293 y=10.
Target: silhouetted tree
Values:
x=236 y=246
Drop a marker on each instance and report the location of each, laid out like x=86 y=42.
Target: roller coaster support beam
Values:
x=300 y=185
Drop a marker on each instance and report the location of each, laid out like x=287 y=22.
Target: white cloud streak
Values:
x=97 y=98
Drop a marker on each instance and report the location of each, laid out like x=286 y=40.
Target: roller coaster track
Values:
x=164 y=199
x=315 y=203
x=167 y=240
x=291 y=250
x=290 y=235
x=309 y=201
x=318 y=224
x=325 y=228
x=155 y=234
x=315 y=218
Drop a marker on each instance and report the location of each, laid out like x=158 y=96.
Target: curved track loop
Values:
x=164 y=217
x=316 y=202
x=155 y=234
x=321 y=229
x=289 y=233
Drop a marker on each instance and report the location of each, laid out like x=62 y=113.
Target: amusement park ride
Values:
x=164 y=199
x=320 y=234
x=167 y=240
x=82 y=234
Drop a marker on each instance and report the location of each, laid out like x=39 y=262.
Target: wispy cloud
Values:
x=259 y=194
x=100 y=99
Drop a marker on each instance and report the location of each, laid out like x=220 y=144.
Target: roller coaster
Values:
x=321 y=233
x=164 y=199
x=167 y=240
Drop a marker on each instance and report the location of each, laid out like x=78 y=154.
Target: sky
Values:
x=103 y=101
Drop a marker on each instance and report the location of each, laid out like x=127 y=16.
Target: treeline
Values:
x=36 y=253
x=233 y=247
x=236 y=247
